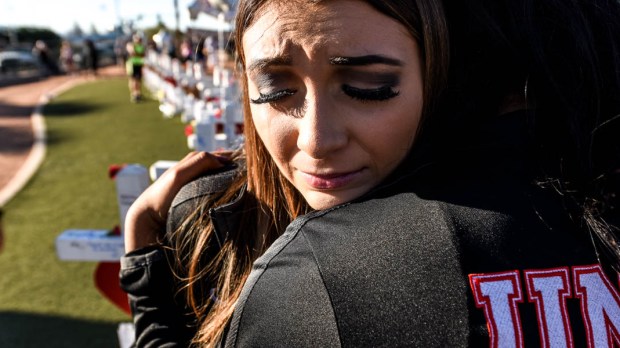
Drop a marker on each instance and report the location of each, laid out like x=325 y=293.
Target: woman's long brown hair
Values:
x=271 y=202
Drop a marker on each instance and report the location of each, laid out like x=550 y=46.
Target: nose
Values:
x=322 y=131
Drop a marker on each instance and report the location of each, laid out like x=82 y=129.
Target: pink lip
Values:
x=330 y=181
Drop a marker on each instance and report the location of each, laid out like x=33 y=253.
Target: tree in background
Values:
x=30 y=35
x=25 y=37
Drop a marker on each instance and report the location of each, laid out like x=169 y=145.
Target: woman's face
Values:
x=335 y=93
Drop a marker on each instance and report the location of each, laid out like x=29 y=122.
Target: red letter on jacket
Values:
x=498 y=294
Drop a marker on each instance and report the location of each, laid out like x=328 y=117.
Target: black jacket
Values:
x=468 y=251
x=407 y=270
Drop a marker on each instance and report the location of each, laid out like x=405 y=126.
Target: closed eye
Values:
x=371 y=94
x=273 y=97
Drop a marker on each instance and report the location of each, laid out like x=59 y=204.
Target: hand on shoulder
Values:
x=146 y=219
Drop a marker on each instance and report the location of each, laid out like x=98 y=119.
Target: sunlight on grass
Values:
x=89 y=128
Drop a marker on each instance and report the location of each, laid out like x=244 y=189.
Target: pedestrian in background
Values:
x=120 y=50
x=91 y=56
x=135 y=62
x=66 y=57
x=42 y=52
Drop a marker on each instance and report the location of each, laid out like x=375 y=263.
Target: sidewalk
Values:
x=17 y=105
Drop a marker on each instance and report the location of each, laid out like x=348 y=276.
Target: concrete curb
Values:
x=37 y=152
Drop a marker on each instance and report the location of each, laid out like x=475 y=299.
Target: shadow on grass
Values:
x=35 y=330
x=54 y=137
x=58 y=109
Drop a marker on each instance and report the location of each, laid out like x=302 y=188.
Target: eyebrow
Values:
x=262 y=64
x=364 y=60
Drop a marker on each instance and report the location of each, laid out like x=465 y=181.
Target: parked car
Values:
x=18 y=63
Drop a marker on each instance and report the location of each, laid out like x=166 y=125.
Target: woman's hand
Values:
x=146 y=219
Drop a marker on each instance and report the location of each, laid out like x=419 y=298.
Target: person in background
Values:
x=443 y=168
x=210 y=54
x=66 y=57
x=91 y=57
x=120 y=50
x=187 y=51
x=135 y=63
x=42 y=52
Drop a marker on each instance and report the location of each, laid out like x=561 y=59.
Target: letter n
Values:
x=600 y=306
x=549 y=289
x=498 y=295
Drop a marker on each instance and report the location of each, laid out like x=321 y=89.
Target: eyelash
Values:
x=273 y=97
x=375 y=94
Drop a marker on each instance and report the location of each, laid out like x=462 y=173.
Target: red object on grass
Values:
x=189 y=130
x=113 y=169
x=107 y=282
x=116 y=231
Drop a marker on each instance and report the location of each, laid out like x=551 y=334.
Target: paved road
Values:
x=17 y=104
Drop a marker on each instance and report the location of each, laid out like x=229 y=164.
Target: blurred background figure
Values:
x=186 y=51
x=209 y=51
x=120 y=50
x=66 y=58
x=135 y=62
x=90 y=56
x=41 y=51
x=165 y=43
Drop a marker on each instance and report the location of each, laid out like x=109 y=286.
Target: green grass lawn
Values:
x=45 y=302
